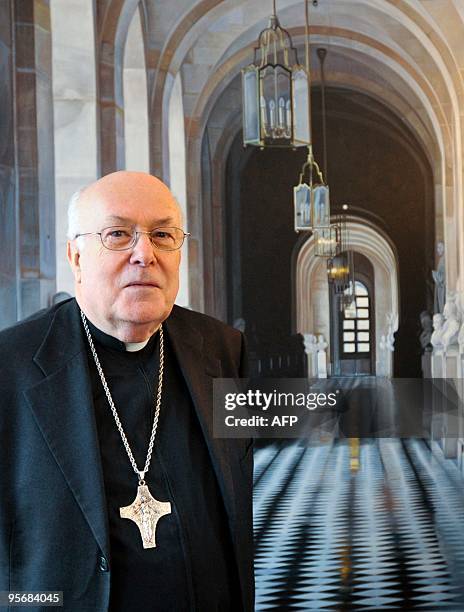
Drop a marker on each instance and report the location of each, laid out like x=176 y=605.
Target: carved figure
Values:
x=439 y=278
x=310 y=343
x=435 y=340
x=461 y=339
x=450 y=331
x=392 y=326
x=427 y=330
x=321 y=343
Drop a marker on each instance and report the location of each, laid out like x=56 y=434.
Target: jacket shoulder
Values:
x=204 y=322
x=22 y=339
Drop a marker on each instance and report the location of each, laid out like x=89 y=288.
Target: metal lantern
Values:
x=340 y=272
x=327 y=241
x=275 y=89
x=311 y=199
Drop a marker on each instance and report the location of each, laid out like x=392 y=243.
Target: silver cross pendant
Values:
x=146 y=511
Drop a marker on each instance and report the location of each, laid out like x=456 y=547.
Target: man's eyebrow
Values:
x=117 y=219
x=126 y=221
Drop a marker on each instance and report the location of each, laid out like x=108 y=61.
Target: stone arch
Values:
x=224 y=125
x=437 y=137
x=396 y=38
x=312 y=291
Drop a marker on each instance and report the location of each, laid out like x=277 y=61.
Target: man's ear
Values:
x=73 y=256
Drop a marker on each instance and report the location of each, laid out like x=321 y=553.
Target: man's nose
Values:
x=143 y=252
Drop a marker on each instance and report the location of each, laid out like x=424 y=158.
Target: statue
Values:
x=321 y=343
x=435 y=340
x=461 y=339
x=321 y=357
x=392 y=326
x=439 y=278
x=426 y=333
x=450 y=330
x=310 y=343
x=387 y=341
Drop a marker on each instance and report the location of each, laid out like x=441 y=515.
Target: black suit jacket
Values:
x=53 y=517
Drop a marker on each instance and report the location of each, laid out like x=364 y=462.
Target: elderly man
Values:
x=113 y=488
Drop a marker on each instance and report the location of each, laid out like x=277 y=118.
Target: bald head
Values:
x=125 y=292
x=121 y=185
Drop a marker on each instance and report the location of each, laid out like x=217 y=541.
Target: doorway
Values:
x=352 y=330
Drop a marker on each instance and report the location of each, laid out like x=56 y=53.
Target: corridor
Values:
x=343 y=525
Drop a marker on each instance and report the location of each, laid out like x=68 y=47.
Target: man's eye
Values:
x=118 y=234
x=162 y=235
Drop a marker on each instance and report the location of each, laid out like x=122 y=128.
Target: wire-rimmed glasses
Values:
x=123 y=238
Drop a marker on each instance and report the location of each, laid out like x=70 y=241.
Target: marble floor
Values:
x=358 y=525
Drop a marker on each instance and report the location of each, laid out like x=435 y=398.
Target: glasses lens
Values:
x=118 y=238
x=167 y=238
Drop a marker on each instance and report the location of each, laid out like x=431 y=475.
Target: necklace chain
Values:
x=140 y=473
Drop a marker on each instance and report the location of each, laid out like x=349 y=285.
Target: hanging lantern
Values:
x=275 y=90
x=311 y=199
x=338 y=272
x=347 y=297
x=327 y=241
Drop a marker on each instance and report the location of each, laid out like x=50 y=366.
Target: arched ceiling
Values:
x=405 y=48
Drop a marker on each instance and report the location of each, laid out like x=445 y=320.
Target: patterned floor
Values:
x=379 y=526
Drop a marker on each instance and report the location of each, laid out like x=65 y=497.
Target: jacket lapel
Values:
x=199 y=370
x=62 y=405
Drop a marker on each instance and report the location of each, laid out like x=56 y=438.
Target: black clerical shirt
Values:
x=192 y=566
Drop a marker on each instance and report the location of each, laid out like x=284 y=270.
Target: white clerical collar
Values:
x=133 y=347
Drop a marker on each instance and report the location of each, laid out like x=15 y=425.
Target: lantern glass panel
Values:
x=302 y=205
x=326 y=241
x=250 y=89
x=301 y=135
x=321 y=206
x=274 y=102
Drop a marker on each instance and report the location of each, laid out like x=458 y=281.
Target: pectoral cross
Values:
x=146 y=511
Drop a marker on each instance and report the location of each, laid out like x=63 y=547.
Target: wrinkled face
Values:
x=126 y=293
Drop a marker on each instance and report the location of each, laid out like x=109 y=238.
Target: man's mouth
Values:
x=142 y=284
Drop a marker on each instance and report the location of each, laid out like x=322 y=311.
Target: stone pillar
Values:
x=26 y=160
x=75 y=109
x=8 y=225
x=35 y=194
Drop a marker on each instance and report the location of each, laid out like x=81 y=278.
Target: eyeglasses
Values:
x=122 y=238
